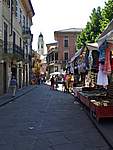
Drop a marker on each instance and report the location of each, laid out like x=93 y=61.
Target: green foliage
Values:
x=99 y=19
x=92 y=29
x=107 y=14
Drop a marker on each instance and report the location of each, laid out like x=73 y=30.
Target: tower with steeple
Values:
x=41 y=44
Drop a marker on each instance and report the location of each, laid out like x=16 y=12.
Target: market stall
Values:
x=96 y=94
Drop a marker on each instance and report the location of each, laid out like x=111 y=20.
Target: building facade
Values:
x=66 y=44
x=15 y=42
x=53 y=64
x=65 y=48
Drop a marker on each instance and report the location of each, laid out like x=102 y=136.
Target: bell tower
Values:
x=41 y=44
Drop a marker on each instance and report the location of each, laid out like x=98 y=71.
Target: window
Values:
x=41 y=45
x=52 y=56
x=5 y=37
x=23 y=21
x=16 y=13
x=56 y=68
x=14 y=41
x=8 y=3
x=66 y=41
x=56 y=56
x=66 y=56
x=20 y=43
x=20 y=16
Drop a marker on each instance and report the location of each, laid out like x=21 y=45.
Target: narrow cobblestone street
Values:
x=44 y=119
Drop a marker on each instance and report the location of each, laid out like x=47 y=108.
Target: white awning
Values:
x=76 y=55
x=108 y=37
x=92 y=46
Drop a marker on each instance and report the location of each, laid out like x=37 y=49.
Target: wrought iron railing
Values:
x=26 y=32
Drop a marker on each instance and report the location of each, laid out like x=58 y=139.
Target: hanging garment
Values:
x=112 y=64
x=95 y=55
x=102 y=78
x=102 y=52
x=107 y=64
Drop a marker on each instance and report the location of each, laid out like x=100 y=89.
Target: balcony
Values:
x=26 y=33
x=11 y=51
x=16 y=51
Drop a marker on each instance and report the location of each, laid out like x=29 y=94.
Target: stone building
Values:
x=15 y=42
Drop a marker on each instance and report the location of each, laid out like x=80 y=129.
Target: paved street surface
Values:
x=44 y=119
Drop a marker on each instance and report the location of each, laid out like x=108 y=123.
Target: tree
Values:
x=107 y=14
x=92 y=29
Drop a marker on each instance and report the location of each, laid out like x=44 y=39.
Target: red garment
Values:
x=112 y=64
x=107 y=65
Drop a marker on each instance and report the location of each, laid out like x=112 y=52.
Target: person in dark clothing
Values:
x=52 y=83
x=56 y=81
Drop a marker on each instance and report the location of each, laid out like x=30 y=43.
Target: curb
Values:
x=99 y=130
x=96 y=125
x=13 y=98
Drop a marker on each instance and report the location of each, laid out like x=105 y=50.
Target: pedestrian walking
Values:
x=52 y=83
x=71 y=82
x=56 y=82
x=13 y=85
x=64 y=87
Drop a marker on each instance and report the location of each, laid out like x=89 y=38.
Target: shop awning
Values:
x=76 y=55
x=108 y=37
x=92 y=46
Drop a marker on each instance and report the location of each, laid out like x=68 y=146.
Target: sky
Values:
x=53 y=15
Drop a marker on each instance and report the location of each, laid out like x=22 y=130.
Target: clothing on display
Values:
x=95 y=55
x=112 y=64
x=102 y=78
x=102 y=52
x=107 y=65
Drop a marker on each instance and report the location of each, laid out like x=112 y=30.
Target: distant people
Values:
x=64 y=83
x=71 y=82
x=13 y=85
x=39 y=80
x=56 y=81
x=67 y=82
x=52 y=83
x=42 y=79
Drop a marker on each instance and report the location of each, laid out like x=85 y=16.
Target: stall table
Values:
x=101 y=111
x=97 y=111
